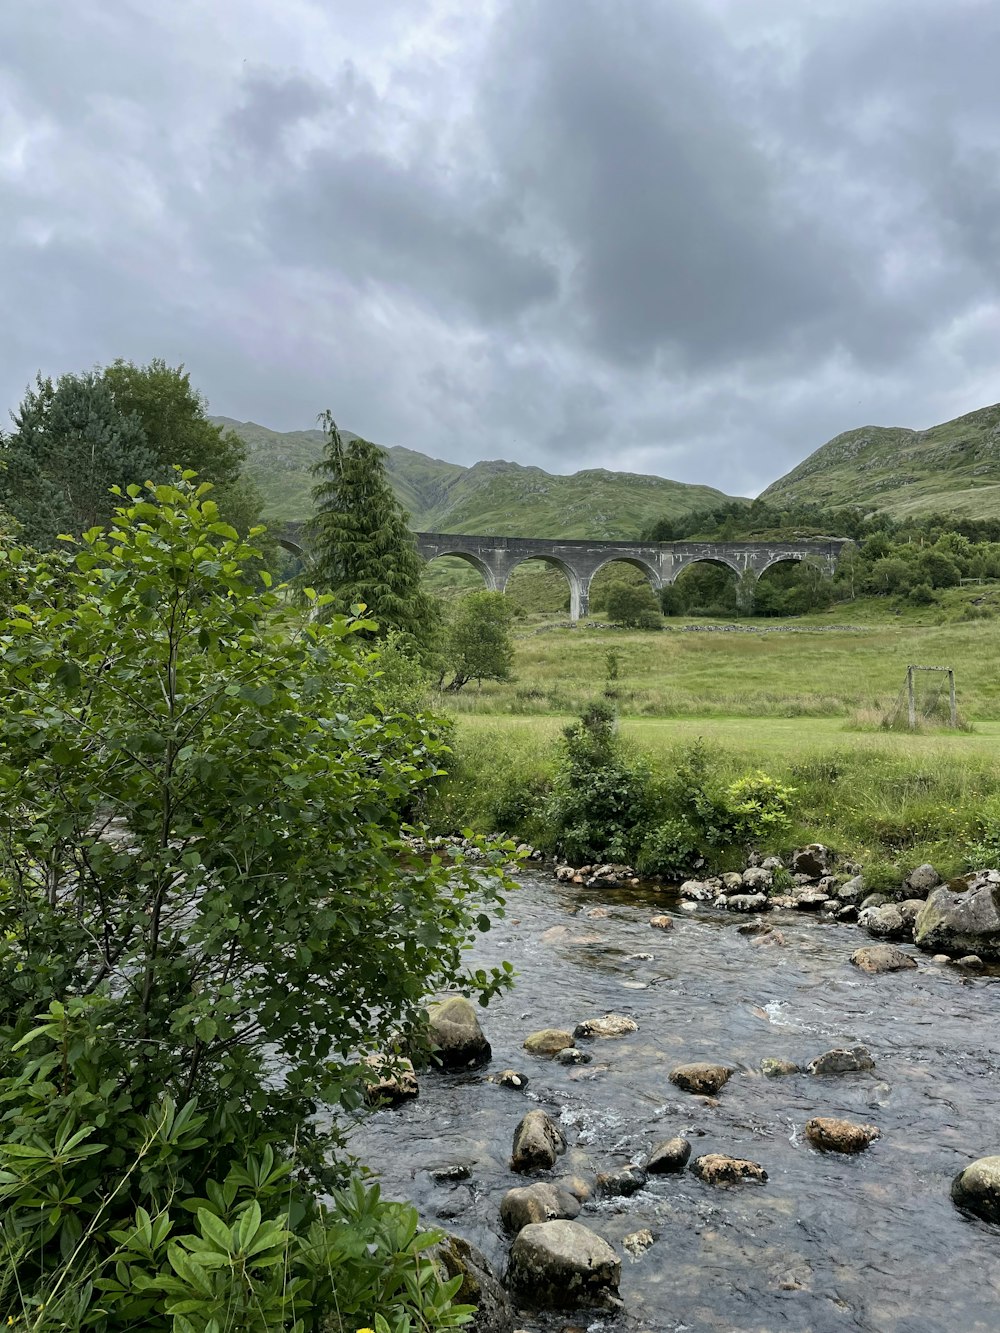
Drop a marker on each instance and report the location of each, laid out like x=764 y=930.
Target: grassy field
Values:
x=802 y=705
x=804 y=668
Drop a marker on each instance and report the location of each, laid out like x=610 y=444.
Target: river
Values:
x=869 y=1243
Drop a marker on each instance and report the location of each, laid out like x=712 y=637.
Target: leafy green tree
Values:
x=69 y=446
x=201 y=867
x=634 y=605
x=478 y=644
x=362 y=550
x=77 y=437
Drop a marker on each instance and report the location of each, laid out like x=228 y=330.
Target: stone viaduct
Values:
x=497 y=557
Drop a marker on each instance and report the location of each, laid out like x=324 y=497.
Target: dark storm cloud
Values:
x=696 y=238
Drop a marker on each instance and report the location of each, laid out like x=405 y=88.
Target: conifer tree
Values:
x=363 y=551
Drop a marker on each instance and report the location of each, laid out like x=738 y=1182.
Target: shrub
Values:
x=670 y=850
x=759 y=808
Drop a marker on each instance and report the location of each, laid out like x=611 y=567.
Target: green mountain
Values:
x=953 y=468
x=503 y=499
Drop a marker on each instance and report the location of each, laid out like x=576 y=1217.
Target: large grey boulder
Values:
x=455 y=1034
x=958 y=923
x=538 y=1141
x=563 y=1266
x=542 y=1202
x=852 y=891
x=977 y=1188
x=480 y=1287
x=885 y=923
x=922 y=880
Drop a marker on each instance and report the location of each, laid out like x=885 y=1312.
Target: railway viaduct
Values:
x=496 y=558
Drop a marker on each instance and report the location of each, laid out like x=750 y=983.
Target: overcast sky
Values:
x=689 y=237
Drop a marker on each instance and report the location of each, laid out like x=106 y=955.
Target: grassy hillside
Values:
x=953 y=468
x=500 y=498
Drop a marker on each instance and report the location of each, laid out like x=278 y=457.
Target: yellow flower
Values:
x=366 y=1330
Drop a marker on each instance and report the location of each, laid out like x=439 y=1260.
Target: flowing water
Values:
x=830 y=1242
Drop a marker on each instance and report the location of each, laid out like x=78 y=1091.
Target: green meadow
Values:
x=803 y=700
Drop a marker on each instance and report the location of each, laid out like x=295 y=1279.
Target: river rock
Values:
x=391 y=1087
x=834 y=1135
x=662 y=922
x=718 y=1169
x=970 y=963
x=696 y=890
x=976 y=1188
x=701 y=1078
x=813 y=860
x=481 y=1287
x=842 y=1060
x=961 y=923
x=563 y=1265
x=732 y=881
x=852 y=891
x=538 y=1141
x=456 y=1036
x=885 y=923
x=611 y=1025
x=543 y=1202
x=810 y=900
x=757 y=878
x=877 y=958
x=773 y=1067
x=549 y=1041
x=669 y=1157
x=511 y=1078
x=772 y=863
x=636 y=1243
x=748 y=902
x=621 y=1182
x=570 y=1055
x=922 y=880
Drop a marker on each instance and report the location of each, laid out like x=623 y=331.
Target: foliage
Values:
x=362 y=551
x=478 y=644
x=670 y=850
x=633 y=605
x=758 y=808
x=77 y=437
x=207 y=915
x=600 y=802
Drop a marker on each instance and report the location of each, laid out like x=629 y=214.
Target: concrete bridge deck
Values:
x=496 y=558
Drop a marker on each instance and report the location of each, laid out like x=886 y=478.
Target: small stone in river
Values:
x=669 y=1157
x=538 y=1141
x=392 y=1085
x=455 y=1034
x=597 y=913
x=718 y=1169
x=773 y=1067
x=843 y=1060
x=549 y=1041
x=976 y=1188
x=876 y=958
x=569 y=1055
x=701 y=1078
x=971 y=962
x=611 y=1025
x=636 y=1243
x=543 y=1202
x=834 y=1135
x=662 y=922
x=563 y=1265
x=748 y=902
x=621 y=1183
x=510 y=1078
x=449 y=1173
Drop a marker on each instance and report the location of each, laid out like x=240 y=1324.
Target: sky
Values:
x=695 y=238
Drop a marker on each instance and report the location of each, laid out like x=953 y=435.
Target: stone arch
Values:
x=788 y=558
x=480 y=565
x=735 y=581
x=689 y=562
x=578 y=589
x=651 y=572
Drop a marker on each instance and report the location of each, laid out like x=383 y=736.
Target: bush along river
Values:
x=773 y=1213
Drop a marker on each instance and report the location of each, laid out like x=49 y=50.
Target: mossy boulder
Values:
x=957 y=923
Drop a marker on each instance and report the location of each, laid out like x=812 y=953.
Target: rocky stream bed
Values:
x=814 y=1238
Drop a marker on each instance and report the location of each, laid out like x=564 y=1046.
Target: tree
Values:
x=634 y=605
x=208 y=917
x=69 y=446
x=362 y=550
x=478 y=643
x=76 y=438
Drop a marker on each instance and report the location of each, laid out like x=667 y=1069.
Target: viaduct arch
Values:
x=496 y=558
